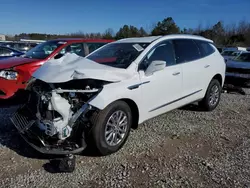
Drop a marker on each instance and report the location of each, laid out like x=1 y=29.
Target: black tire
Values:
x=247 y=84
x=99 y=120
x=205 y=103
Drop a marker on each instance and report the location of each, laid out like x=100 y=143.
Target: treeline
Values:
x=224 y=35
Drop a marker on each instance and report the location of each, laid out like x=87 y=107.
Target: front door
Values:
x=161 y=90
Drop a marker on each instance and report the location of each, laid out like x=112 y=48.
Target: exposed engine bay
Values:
x=56 y=118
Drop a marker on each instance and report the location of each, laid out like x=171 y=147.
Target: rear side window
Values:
x=186 y=50
x=76 y=48
x=205 y=48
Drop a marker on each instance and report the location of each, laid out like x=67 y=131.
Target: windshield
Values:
x=235 y=53
x=43 y=50
x=227 y=53
x=119 y=55
x=245 y=57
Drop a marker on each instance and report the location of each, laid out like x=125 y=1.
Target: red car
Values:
x=15 y=72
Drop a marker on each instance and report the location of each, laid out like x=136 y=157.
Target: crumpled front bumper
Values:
x=27 y=126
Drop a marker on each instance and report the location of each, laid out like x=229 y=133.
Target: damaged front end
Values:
x=55 y=120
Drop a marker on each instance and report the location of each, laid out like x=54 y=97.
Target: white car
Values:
x=77 y=102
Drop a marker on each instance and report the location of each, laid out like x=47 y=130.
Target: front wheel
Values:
x=111 y=128
x=212 y=97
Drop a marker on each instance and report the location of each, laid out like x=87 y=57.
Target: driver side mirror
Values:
x=154 y=67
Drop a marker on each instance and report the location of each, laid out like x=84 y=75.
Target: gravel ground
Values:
x=183 y=148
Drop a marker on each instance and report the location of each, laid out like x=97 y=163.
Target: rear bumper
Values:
x=8 y=88
x=27 y=126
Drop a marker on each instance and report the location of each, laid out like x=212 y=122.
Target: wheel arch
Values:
x=134 y=109
x=219 y=78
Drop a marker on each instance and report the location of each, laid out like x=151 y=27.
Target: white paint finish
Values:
x=154 y=38
x=164 y=86
x=198 y=74
x=163 y=89
x=71 y=66
x=138 y=39
x=120 y=90
x=193 y=76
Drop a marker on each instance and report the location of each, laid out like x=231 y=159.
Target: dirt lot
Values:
x=183 y=148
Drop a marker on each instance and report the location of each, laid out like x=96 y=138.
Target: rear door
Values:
x=208 y=61
x=188 y=55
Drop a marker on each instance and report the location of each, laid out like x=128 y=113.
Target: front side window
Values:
x=186 y=50
x=119 y=55
x=43 y=50
x=162 y=52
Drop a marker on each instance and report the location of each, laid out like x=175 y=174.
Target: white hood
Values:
x=72 y=66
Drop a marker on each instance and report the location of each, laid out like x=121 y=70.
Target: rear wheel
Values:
x=212 y=97
x=111 y=128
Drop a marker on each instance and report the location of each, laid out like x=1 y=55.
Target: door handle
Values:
x=176 y=73
x=206 y=66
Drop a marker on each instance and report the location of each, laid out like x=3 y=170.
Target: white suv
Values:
x=95 y=101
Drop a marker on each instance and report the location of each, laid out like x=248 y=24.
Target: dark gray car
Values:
x=238 y=69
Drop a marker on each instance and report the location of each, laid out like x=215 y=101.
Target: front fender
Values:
x=117 y=91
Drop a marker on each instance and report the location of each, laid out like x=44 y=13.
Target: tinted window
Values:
x=10 y=45
x=119 y=55
x=44 y=49
x=244 y=57
x=76 y=48
x=90 y=47
x=32 y=45
x=205 y=48
x=163 y=52
x=186 y=50
x=4 y=52
x=219 y=49
x=227 y=53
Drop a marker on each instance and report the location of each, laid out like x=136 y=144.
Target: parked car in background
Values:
x=15 y=72
x=21 y=46
x=115 y=88
x=6 y=52
x=231 y=54
x=238 y=70
x=234 y=48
